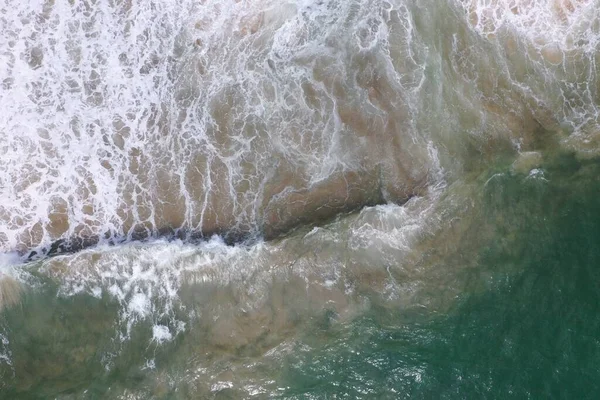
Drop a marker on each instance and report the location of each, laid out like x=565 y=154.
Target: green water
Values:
x=535 y=334
x=528 y=327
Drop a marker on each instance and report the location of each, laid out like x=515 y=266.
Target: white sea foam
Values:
x=548 y=55
x=5 y=352
x=122 y=119
x=161 y=333
x=565 y=24
x=8 y=260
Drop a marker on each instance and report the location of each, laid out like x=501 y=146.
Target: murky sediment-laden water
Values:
x=299 y=199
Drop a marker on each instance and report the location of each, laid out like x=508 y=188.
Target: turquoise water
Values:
x=527 y=327
x=534 y=334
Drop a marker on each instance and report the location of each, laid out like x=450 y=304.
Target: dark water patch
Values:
x=326 y=209
x=76 y=244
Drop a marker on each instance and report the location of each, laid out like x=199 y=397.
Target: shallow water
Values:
x=303 y=199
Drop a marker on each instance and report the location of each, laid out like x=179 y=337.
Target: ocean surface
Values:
x=309 y=199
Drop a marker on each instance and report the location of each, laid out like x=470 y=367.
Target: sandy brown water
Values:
x=246 y=118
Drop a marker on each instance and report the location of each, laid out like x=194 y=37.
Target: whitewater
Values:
x=223 y=172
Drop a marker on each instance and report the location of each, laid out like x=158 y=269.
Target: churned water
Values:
x=299 y=199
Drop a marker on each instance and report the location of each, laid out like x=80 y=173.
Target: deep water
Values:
x=534 y=334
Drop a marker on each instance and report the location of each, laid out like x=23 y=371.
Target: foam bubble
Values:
x=139 y=305
x=161 y=333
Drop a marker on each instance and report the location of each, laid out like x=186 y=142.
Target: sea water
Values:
x=303 y=199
